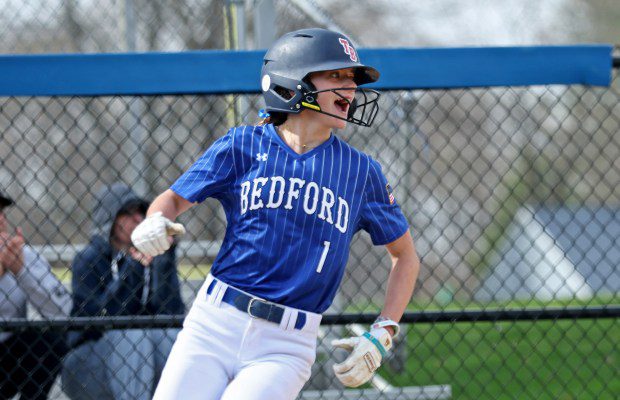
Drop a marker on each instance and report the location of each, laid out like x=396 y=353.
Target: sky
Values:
x=399 y=23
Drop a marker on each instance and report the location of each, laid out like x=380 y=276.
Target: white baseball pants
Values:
x=223 y=353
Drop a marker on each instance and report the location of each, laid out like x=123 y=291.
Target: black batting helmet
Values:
x=287 y=64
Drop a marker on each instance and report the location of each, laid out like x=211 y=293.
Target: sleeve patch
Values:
x=388 y=188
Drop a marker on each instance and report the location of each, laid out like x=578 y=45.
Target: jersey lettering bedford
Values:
x=290 y=217
x=276 y=192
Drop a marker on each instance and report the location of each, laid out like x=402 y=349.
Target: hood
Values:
x=108 y=202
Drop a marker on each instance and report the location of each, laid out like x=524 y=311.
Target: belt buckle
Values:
x=249 y=309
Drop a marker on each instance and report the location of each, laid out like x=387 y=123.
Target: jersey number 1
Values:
x=326 y=245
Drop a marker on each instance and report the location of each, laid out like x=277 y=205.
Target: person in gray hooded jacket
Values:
x=29 y=359
x=111 y=278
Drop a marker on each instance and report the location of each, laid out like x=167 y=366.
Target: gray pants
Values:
x=123 y=364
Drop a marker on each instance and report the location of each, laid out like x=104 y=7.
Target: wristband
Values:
x=382 y=322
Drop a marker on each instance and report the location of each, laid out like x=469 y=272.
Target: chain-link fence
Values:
x=512 y=193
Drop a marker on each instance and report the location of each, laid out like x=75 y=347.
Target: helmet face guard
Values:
x=293 y=57
x=362 y=109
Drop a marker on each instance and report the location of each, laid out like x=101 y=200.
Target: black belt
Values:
x=255 y=307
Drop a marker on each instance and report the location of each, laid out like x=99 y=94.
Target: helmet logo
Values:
x=265 y=83
x=348 y=49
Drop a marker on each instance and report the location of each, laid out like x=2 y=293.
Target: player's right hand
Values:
x=151 y=236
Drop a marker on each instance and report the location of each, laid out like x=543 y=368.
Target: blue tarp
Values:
x=213 y=72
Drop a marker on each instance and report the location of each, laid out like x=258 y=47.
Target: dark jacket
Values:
x=106 y=282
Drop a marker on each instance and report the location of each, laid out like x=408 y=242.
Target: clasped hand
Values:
x=151 y=237
x=11 y=252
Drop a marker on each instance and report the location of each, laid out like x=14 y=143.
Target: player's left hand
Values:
x=367 y=352
x=150 y=237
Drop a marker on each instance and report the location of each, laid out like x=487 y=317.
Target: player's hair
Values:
x=275 y=118
x=278 y=118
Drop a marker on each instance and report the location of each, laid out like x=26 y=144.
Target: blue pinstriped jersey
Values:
x=291 y=217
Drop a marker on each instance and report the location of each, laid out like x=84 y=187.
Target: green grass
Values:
x=564 y=359
x=516 y=360
x=599 y=300
x=187 y=272
x=430 y=305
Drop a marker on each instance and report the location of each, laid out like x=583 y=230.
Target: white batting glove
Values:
x=151 y=236
x=367 y=352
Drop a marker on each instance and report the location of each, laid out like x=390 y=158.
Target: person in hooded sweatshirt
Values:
x=111 y=278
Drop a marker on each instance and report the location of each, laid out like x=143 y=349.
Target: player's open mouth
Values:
x=342 y=104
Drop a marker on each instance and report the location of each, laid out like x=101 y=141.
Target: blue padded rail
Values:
x=216 y=71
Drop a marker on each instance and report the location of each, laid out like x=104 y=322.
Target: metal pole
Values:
x=134 y=149
x=239 y=10
x=422 y=317
x=130 y=25
x=264 y=23
x=237 y=13
x=316 y=13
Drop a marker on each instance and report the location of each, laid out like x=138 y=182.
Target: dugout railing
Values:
x=470 y=138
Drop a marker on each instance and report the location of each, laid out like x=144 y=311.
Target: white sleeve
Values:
x=43 y=290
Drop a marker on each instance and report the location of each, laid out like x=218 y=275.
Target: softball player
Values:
x=294 y=195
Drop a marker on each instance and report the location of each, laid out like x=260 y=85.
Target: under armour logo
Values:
x=261 y=156
x=348 y=49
